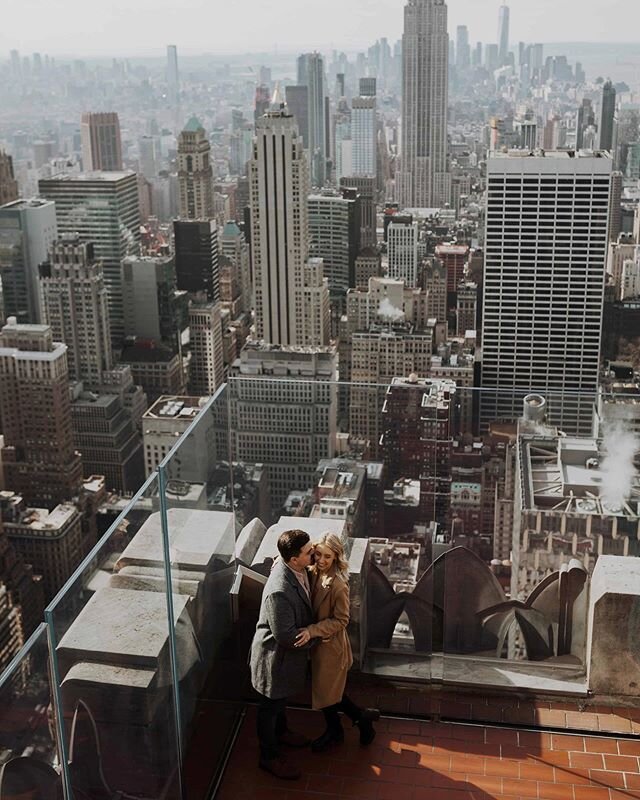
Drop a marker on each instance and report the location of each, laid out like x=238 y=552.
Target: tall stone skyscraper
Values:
x=503 y=34
x=195 y=174
x=311 y=75
x=76 y=306
x=8 y=182
x=39 y=458
x=607 y=127
x=424 y=180
x=283 y=283
x=101 y=142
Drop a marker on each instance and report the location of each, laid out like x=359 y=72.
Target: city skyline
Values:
x=52 y=29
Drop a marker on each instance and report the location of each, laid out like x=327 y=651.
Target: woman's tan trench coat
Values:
x=332 y=658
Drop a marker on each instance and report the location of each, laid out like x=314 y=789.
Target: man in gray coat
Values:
x=278 y=667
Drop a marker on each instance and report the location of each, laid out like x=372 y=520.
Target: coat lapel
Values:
x=288 y=572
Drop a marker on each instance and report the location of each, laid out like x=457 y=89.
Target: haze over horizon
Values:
x=145 y=27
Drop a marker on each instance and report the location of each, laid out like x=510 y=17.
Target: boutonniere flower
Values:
x=326 y=581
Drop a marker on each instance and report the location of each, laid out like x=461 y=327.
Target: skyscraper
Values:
x=283 y=412
x=334 y=236
x=207 y=367
x=424 y=179
x=607 y=117
x=75 y=305
x=402 y=239
x=546 y=250
x=235 y=248
x=8 y=182
x=153 y=308
x=197 y=257
x=173 y=77
x=279 y=228
x=364 y=137
x=195 y=174
x=586 y=120
x=463 y=51
x=27 y=229
x=298 y=104
x=503 y=34
x=102 y=207
x=311 y=75
x=101 y=142
x=39 y=460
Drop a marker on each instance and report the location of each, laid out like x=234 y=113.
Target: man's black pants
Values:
x=271 y=723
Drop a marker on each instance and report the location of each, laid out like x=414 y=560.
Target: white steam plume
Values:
x=389 y=311
x=618 y=470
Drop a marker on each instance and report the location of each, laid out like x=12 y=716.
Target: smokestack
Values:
x=535 y=408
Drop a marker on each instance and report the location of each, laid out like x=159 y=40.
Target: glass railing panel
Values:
x=29 y=758
x=197 y=491
x=113 y=662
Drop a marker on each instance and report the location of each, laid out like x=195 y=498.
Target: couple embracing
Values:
x=303 y=619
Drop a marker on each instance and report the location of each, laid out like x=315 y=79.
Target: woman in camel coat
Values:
x=332 y=658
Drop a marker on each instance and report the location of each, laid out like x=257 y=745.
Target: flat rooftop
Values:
x=87 y=177
x=19 y=205
x=566 y=474
x=564 y=155
x=169 y=407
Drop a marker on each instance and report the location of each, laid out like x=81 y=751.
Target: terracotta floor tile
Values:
x=429 y=761
x=556 y=791
x=535 y=771
x=592 y=793
x=621 y=763
x=586 y=760
x=520 y=788
x=602 y=745
x=601 y=777
x=567 y=742
x=502 y=768
x=492 y=785
x=628 y=748
x=359 y=788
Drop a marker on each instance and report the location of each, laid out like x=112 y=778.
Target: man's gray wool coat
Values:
x=278 y=669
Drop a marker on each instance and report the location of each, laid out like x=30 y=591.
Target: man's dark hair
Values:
x=290 y=543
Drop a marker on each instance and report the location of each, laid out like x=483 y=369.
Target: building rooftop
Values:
x=193 y=125
x=170 y=407
x=19 y=205
x=40 y=519
x=572 y=474
x=90 y=177
x=563 y=155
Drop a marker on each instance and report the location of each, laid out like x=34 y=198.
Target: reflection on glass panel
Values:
x=200 y=498
x=29 y=762
x=113 y=659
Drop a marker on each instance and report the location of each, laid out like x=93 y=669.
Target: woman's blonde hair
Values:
x=334 y=543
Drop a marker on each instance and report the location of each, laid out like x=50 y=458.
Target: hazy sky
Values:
x=130 y=27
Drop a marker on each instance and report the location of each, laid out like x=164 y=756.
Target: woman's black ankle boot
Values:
x=330 y=737
x=367 y=732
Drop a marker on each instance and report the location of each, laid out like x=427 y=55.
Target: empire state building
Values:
x=424 y=180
